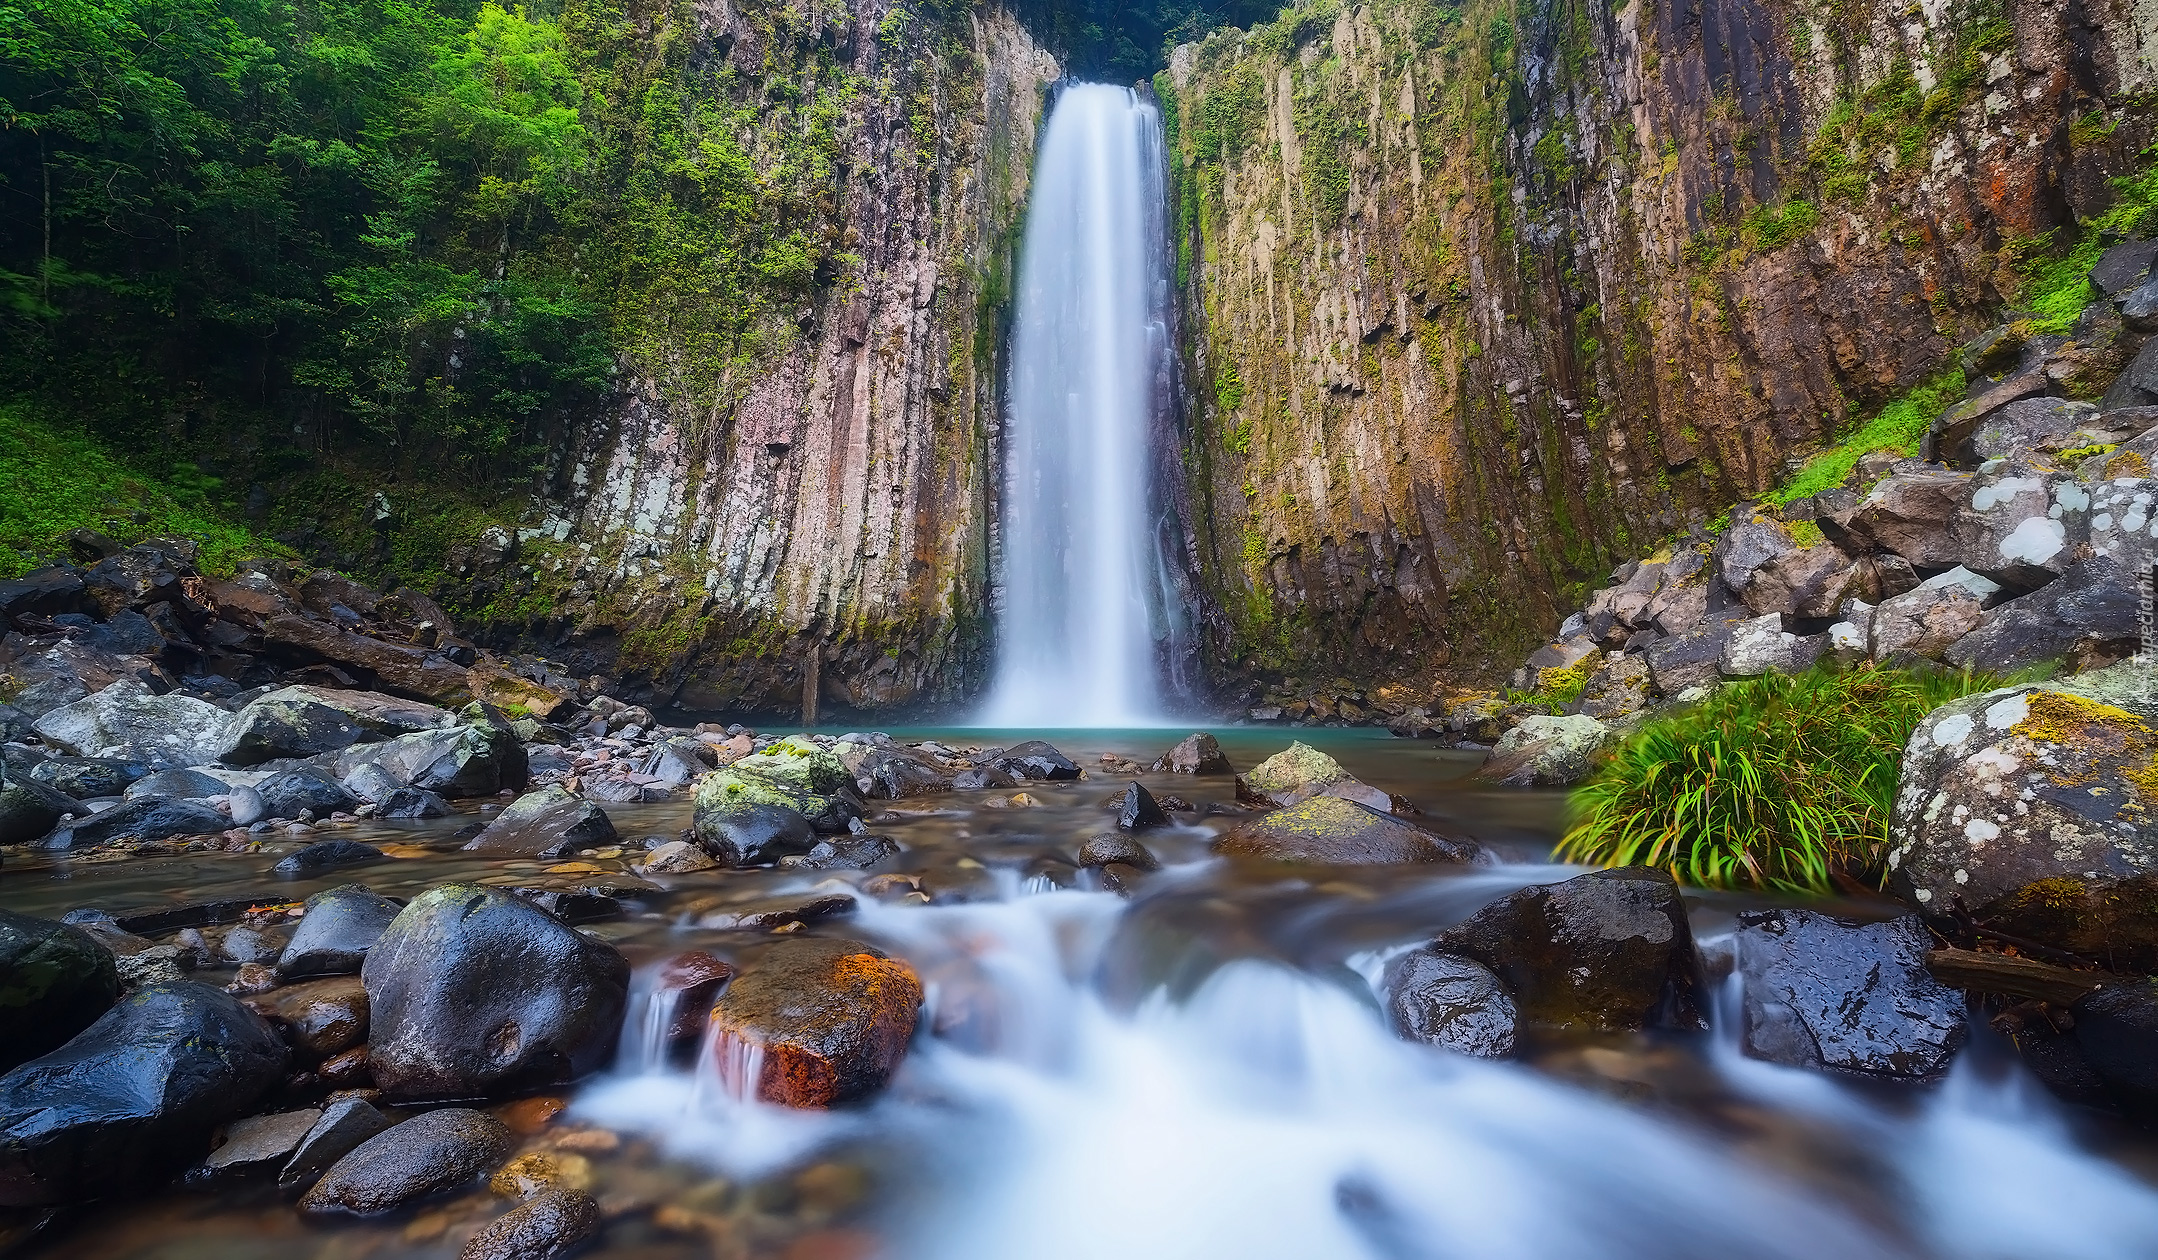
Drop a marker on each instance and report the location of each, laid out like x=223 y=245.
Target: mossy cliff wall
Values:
x=798 y=504
x=1483 y=300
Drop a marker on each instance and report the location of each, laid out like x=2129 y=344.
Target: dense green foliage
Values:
x=55 y=479
x=1773 y=782
x=1898 y=426
x=2057 y=284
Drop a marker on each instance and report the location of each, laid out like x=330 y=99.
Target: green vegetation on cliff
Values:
x=1773 y=782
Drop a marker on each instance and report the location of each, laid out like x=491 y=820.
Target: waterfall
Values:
x=1088 y=629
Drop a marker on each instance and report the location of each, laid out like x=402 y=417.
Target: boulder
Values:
x=751 y=834
x=1451 y=1002
x=892 y=774
x=476 y=993
x=456 y=761
x=857 y=852
x=1563 y=654
x=339 y=927
x=1300 y=772
x=2137 y=386
x=1846 y=996
x=1806 y=582
x=429 y=1154
x=2022 y=525
x=407 y=803
x=1138 y=810
x=2030 y=807
x=2024 y=425
x=491 y=684
x=1690 y=658
x=547 y=1226
x=147 y=818
x=130 y=722
x=1747 y=548
x=1609 y=951
x=2087 y=618
x=1196 y=753
x=46 y=592
x=185 y=785
x=2123 y=523
x=1035 y=759
x=1619 y=687
x=676 y=857
x=321 y=1017
x=29 y=809
x=393 y=667
x=55 y=981
x=308 y=790
x=1949 y=439
x=344 y=1124
x=545 y=823
x=1339 y=832
x=1763 y=646
x=88 y=778
x=1681 y=602
x=255 y=1147
x=134 y=1097
x=1545 y=751
x=1925 y=622
x=311 y=721
x=326 y=855
x=794 y=774
x=1912 y=515
x=1113 y=847
x=819 y=1022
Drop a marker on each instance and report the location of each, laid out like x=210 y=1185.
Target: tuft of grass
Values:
x=1773 y=782
x=1896 y=427
x=54 y=478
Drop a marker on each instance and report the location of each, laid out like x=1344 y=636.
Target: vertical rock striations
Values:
x=1485 y=298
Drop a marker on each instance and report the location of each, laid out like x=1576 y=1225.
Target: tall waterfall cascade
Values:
x=1089 y=615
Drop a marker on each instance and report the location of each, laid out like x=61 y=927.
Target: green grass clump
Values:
x=1773 y=782
x=54 y=479
x=1895 y=427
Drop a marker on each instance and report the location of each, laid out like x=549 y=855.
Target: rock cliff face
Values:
x=1482 y=300
x=808 y=520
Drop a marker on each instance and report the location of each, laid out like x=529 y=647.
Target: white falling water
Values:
x=1080 y=583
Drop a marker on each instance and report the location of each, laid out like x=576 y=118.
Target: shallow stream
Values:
x=1197 y=1070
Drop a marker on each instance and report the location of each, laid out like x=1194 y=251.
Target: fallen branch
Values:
x=2016 y=977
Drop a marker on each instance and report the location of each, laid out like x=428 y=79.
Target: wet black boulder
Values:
x=29 y=809
x=290 y=794
x=135 y=1096
x=328 y=855
x=2116 y=1028
x=550 y=1224
x=1846 y=996
x=1035 y=759
x=1609 y=951
x=476 y=993
x=428 y=1154
x=755 y=835
x=1138 y=810
x=146 y=818
x=1451 y=1002
x=1114 y=847
x=340 y=926
x=55 y=980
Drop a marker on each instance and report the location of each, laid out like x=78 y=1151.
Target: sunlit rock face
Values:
x=810 y=518
x=1479 y=306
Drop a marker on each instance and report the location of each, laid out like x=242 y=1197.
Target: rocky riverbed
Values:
x=345 y=973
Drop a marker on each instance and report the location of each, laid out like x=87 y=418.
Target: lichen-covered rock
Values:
x=2022 y=525
x=1844 y=995
x=793 y=774
x=1925 y=622
x=2031 y=806
x=1619 y=687
x=1546 y=751
x=1609 y=951
x=474 y=993
x=814 y=1023
x=1297 y=772
x=1763 y=646
x=310 y=721
x=1693 y=656
x=134 y=1097
x=544 y=823
x=2085 y=619
x=1334 y=831
x=55 y=980
x=130 y=722
x=1448 y=1001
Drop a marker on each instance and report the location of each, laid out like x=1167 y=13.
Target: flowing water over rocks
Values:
x=1201 y=1065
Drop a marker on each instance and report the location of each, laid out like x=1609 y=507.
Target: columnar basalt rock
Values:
x=1483 y=300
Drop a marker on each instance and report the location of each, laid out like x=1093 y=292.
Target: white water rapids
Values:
x=1081 y=582
x=1271 y=1113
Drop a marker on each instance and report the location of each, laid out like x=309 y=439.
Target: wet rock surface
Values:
x=752 y=834
x=545 y=823
x=1331 y=830
x=547 y=1226
x=1451 y=1002
x=476 y=993
x=55 y=981
x=1197 y=753
x=1848 y=996
x=1610 y=951
x=431 y=1153
x=828 y=1021
x=339 y=927
x=134 y=1097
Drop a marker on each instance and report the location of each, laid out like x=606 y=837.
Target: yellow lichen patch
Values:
x=2094 y=730
x=2127 y=464
x=1565 y=682
x=2058 y=892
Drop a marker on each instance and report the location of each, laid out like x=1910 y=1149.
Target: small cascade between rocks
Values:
x=1091 y=631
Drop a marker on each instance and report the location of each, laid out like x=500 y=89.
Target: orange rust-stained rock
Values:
x=815 y=1023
